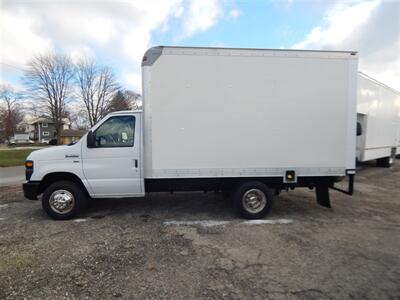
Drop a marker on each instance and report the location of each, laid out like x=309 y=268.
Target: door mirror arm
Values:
x=90 y=140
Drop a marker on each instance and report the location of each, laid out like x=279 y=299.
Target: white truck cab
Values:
x=112 y=161
x=109 y=166
x=247 y=122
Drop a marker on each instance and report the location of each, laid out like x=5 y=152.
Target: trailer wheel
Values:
x=252 y=200
x=63 y=200
x=385 y=162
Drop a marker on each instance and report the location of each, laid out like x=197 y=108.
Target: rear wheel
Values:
x=252 y=200
x=63 y=200
x=385 y=162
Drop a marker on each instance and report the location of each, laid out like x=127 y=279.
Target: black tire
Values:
x=80 y=200
x=385 y=162
x=261 y=190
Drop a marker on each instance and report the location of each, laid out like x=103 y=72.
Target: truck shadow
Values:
x=165 y=205
x=368 y=169
x=198 y=205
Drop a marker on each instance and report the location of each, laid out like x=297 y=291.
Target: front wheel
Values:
x=63 y=200
x=253 y=200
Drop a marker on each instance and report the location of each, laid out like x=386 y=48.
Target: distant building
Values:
x=20 y=138
x=71 y=135
x=43 y=130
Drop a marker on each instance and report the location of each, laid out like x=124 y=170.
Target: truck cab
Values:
x=105 y=163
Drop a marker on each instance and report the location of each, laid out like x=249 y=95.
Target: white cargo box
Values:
x=213 y=112
x=378 y=112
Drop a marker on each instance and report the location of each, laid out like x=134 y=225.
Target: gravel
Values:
x=191 y=245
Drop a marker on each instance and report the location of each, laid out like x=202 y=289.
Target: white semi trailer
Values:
x=249 y=122
x=378 y=118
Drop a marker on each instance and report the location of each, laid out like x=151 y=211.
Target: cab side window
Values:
x=117 y=131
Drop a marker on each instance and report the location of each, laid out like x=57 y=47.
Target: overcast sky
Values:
x=117 y=33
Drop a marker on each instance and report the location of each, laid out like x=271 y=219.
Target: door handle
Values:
x=71 y=155
x=136 y=163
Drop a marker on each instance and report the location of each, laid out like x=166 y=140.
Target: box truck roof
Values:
x=378 y=82
x=154 y=53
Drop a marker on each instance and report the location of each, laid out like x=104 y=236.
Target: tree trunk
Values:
x=58 y=129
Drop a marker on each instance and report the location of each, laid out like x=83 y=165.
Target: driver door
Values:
x=112 y=167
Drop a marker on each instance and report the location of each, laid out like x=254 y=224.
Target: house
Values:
x=71 y=135
x=43 y=129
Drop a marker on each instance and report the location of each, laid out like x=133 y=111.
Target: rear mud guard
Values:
x=322 y=193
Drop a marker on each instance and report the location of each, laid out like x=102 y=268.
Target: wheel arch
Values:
x=50 y=178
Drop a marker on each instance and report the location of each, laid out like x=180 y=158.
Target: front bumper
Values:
x=31 y=189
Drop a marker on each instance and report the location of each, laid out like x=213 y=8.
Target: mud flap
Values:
x=322 y=193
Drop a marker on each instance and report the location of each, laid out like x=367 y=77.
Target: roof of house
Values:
x=72 y=133
x=48 y=120
x=41 y=120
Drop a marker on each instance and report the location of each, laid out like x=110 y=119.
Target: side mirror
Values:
x=359 y=129
x=90 y=140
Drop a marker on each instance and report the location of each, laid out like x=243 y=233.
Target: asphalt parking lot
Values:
x=185 y=246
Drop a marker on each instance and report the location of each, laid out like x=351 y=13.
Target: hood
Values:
x=54 y=153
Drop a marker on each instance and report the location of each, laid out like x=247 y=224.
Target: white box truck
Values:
x=378 y=121
x=248 y=122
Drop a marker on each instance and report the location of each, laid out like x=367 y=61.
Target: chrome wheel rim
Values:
x=254 y=201
x=62 y=201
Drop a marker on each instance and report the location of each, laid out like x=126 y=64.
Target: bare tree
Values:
x=119 y=102
x=96 y=88
x=78 y=117
x=36 y=108
x=49 y=79
x=2 y=129
x=10 y=114
x=134 y=99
